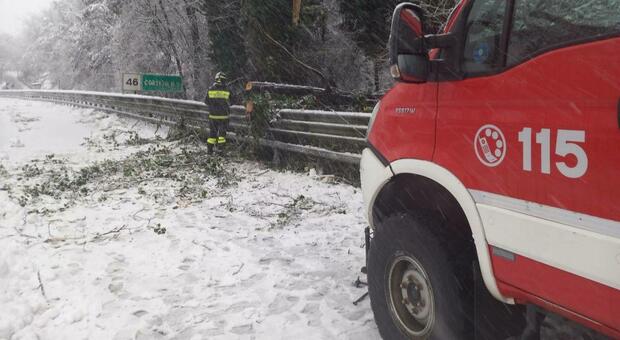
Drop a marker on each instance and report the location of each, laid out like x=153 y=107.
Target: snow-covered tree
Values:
x=88 y=44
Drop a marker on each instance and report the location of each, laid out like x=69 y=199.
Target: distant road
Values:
x=11 y=77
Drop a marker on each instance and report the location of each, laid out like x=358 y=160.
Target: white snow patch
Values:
x=272 y=257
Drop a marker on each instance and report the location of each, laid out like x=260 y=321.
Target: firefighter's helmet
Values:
x=220 y=77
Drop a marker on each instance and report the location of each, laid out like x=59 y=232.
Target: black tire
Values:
x=397 y=241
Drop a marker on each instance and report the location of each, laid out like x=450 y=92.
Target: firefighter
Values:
x=218 y=103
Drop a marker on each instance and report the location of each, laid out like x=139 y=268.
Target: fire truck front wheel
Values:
x=414 y=289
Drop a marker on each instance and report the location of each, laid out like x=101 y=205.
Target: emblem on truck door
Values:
x=490 y=145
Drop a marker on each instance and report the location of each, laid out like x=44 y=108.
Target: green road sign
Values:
x=161 y=83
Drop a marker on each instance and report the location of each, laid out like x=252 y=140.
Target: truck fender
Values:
x=375 y=176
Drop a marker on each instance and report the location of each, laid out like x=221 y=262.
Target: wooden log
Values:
x=296 y=12
x=286 y=89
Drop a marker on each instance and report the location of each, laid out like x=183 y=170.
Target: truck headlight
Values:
x=372 y=118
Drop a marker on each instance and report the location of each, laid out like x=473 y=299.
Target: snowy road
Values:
x=45 y=127
x=91 y=250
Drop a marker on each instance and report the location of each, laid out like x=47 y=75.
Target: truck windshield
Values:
x=541 y=24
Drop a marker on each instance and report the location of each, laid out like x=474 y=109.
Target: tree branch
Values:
x=328 y=85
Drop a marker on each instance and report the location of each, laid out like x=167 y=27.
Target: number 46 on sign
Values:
x=132 y=82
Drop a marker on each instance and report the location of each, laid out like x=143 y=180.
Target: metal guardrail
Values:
x=336 y=136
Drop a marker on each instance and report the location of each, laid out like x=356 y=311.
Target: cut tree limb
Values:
x=296 y=12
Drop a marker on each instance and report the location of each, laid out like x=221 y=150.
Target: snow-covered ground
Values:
x=261 y=254
x=108 y=231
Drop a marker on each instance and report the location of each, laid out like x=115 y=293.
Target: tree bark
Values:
x=173 y=47
x=287 y=89
x=376 y=66
x=197 y=74
x=296 y=12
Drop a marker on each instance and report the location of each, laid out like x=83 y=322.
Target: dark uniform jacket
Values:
x=218 y=101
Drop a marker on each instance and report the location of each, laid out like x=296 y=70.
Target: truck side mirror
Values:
x=409 y=59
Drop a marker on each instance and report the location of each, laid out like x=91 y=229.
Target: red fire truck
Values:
x=494 y=163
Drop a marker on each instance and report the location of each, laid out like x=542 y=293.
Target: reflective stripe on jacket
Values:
x=216 y=94
x=218 y=101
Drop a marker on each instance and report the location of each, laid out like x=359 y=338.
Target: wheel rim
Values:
x=410 y=296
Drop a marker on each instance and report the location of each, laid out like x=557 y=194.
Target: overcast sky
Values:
x=12 y=13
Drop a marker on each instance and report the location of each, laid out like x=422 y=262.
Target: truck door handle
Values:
x=618 y=113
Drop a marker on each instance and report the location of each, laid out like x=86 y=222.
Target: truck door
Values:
x=533 y=132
